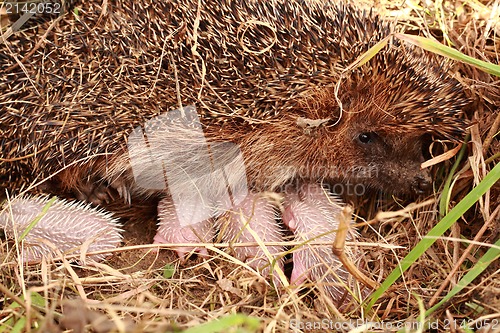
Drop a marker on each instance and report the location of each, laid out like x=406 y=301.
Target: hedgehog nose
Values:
x=422 y=184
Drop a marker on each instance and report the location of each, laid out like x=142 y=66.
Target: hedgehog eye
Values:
x=367 y=137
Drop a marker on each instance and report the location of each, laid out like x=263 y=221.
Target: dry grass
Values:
x=139 y=290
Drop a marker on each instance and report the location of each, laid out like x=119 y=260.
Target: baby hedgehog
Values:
x=62 y=227
x=252 y=87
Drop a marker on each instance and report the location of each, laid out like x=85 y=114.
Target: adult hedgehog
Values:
x=262 y=75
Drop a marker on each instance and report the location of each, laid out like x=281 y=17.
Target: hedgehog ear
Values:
x=321 y=103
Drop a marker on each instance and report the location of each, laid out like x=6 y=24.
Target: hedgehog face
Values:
x=379 y=139
x=283 y=152
x=362 y=155
x=389 y=162
x=382 y=155
x=365 y=148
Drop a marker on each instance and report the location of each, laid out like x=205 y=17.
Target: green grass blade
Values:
x=38 y=218
x=445 y=194
x=490 y=256
x=227 y=324
x=372 y=51
x=12 y=325
x=19 y=326
x=168 y=271
x=436 y=47
x=470 y=199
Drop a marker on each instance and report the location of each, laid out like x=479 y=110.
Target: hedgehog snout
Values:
x=422 y=183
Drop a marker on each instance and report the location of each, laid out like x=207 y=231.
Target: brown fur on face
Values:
x=388 y=162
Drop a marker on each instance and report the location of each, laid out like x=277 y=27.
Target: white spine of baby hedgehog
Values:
x=172 y=231
x=253 y=221
x=313 y=215
x=63 y=227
